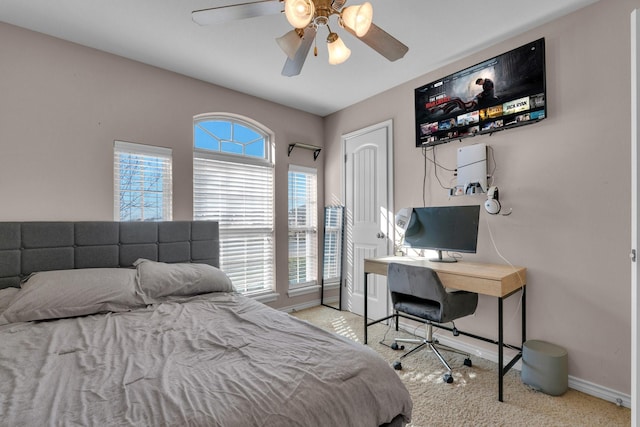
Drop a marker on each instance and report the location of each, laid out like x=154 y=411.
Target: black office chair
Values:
x=418 y=292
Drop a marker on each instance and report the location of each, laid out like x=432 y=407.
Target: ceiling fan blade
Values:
x=292 y=67
x=234 y=12
x=382 y=42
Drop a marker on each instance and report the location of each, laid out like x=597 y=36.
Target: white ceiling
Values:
x=243 y=55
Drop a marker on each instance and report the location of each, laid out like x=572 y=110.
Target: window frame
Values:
x=161 y=154
x=310 y=230
x=233 y=237
x=333 y=232
x=232 y=157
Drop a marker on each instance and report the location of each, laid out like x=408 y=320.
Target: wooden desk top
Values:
x=496 y=280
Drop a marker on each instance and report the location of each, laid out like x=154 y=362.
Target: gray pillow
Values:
x=70 y=293
x=6 y=296
x=159 y=279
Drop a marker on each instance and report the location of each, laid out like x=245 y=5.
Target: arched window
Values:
x=233 y=184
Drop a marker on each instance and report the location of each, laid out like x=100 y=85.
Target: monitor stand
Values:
x=440 y=259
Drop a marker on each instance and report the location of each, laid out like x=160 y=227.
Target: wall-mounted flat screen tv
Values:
x=502 y=92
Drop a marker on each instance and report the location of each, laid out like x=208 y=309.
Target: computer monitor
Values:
x=444 y=228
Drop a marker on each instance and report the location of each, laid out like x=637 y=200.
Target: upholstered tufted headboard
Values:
x=27 y=247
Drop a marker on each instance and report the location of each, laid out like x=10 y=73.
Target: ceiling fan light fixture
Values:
x=306 y=17
x=338 y=52
x=290 y=42
x=299 y=13
x=358 y=18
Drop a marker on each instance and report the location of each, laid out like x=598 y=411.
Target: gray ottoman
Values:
x=545 y=367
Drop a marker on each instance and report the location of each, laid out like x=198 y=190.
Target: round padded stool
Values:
x=545 y=367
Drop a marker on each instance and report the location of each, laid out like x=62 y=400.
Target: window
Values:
x=303 y=226
x=142 y=182
x=332 y=262
x=233 y=184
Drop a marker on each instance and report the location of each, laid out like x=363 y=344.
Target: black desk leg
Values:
x=365 y=306
x=500 y=350
x=524 y=317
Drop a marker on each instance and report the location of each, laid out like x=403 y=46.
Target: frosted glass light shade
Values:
x=358 y=18
x=338 y=52
x=290 y=43
x=299 y=12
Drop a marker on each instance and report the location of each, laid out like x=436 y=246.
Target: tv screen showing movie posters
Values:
x=502 y=92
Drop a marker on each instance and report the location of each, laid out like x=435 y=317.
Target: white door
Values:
x=635 y=210
x=368 y=176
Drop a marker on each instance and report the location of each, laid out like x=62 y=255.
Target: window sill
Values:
x=303 y=290
x=265 y=297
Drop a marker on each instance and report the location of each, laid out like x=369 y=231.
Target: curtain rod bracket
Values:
x=316 y=150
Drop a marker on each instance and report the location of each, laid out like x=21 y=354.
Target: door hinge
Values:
x=632 y=255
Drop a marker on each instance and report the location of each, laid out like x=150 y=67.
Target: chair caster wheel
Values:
x=467 y=362
x=397 y=366
x=395 y=346
x=447 y=378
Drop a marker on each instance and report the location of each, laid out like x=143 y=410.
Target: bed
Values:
x=107 y=323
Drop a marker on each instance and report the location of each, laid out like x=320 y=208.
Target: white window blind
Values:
x=142 y=182
x=240 y=197
x=303 y=226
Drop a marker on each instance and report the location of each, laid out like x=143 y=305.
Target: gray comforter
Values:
x=216 y=360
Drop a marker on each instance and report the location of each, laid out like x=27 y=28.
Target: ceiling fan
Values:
x=306 y=17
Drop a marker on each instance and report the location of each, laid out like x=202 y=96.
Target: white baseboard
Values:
x=308 y=304
x=298 y=307
x=587 y=387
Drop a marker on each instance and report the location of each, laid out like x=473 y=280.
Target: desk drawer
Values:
x=471 y=284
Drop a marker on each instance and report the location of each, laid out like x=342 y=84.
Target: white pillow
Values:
x=159 y=279
x=69 y=293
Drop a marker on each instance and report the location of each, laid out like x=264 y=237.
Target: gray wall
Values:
x=62 y=106
x=566 y=178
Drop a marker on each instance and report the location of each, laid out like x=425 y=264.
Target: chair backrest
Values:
x=415 y=281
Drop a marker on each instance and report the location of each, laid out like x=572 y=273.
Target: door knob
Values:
x=380 y=235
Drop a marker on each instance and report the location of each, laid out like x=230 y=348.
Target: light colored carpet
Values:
x=472 y=399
